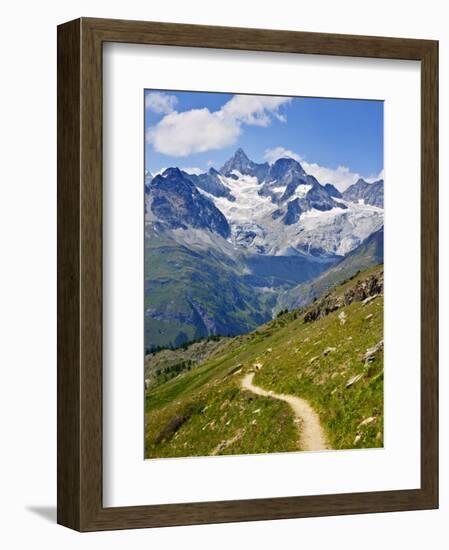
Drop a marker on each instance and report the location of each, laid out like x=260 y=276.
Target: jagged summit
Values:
x=172 y=172
x=368 y=193
x=280 y=169
x=285 y=169
x=240 y=163
x=238 y=160
x=240 y=153
x=260 y=207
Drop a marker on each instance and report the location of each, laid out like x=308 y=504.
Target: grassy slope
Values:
x=167 y=363
x=204 y=411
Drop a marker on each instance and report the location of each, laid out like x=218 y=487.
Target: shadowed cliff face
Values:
x=178 y=204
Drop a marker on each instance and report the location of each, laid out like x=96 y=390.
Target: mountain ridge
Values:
x=370 y=193
x=177 y=203
x=244 y=239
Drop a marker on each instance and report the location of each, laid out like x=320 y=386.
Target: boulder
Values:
x=371 y=353
x=367 y=421
x=369 y=299
x=353 y=380
x=364 y=291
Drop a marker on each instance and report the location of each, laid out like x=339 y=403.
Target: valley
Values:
x=237 y=395
x=226 y=250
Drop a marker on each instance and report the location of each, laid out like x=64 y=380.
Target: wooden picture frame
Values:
x=80 y=503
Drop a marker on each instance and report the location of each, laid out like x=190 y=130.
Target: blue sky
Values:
x=337 y=140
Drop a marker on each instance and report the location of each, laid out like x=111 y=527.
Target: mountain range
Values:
x=225 y=249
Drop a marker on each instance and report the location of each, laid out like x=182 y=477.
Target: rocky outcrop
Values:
x=371 y=353
x=294 y=212
x=332 y=190
x=171 y=427
x=365 y=289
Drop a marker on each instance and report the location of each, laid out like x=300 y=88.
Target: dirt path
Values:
x=312 y=436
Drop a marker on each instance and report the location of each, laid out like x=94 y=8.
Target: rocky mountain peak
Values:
x=176 y=202
x=368 y=193
x=286 y=169
x=172 y=172
x=240 y=162
x=361 y=183
x=240 y=154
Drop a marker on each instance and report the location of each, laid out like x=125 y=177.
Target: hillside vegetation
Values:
x=167 y=363
x=330 y=354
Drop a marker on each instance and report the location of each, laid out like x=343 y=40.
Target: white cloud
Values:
x=198 y=130
x=380 y=176
x=272 y=155
x=280 y=117
x=341 y=177
x=195 y=131
x=254 y=110
x=160 y=103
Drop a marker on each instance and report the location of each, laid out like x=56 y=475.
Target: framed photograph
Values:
x=247 y=287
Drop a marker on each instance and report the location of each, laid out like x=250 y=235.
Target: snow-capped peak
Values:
x=279 y=209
